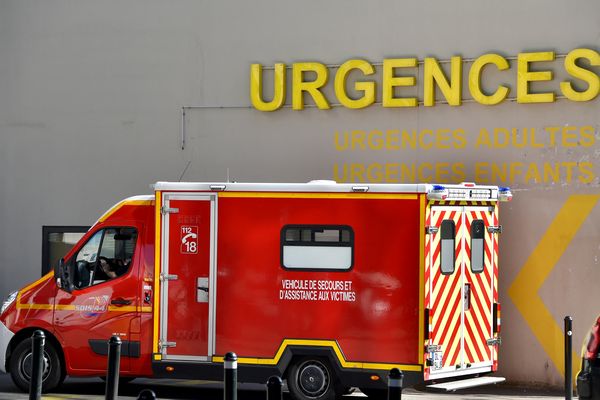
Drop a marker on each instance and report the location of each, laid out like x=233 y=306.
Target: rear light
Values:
x=496 y=318
x=437 y=192
x=428 y=325
x=504 y=194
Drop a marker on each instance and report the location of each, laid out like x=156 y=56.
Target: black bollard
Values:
x=274 y=388
x=147 y=394
x=230 y=379
x=395 y=384
x=112 y=376
x=568 y=358
x=37 y=365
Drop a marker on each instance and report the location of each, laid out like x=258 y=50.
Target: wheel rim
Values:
x=313 y=379
x=27 y=363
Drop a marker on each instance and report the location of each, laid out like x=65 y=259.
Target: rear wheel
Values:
x=21 y=361
x=313 y=379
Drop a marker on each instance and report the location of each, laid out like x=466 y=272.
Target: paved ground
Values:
x=93 y=389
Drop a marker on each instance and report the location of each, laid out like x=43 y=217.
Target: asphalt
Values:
x=93 y=389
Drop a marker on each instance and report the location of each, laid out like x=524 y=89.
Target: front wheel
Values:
x=21 y=362
x=313 y=379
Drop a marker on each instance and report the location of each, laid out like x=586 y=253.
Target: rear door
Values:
x=479 y=286
x=445 y=291
x=187 y=278
x=460 y=283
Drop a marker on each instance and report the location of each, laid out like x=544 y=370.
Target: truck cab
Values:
x=101 y=288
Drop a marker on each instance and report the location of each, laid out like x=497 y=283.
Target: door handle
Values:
x=120 y=302
x=467 y=297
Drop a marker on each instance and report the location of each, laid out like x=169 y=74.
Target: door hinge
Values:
x=495 y=229
x=494 y=341
x=431 y=230
x=168 y=210
x=167 y=344
x=167 y=277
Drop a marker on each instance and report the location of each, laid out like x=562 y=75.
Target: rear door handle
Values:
x=120 y=302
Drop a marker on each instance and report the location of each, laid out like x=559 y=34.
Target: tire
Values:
x=20 y=366
x=313 y=379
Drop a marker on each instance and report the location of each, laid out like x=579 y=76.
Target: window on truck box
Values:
x=317 y=247
x=477 y=239
x=447 y=253
x=106 y=255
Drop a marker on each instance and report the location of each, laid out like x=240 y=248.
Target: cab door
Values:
x=187 y=278
x=100 y=306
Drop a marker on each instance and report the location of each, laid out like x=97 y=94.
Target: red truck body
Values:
x=335 y=283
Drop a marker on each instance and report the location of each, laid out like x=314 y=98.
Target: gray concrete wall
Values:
x=91 y=96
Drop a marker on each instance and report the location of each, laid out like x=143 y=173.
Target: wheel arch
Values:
x=27 y=334
x=294 y=353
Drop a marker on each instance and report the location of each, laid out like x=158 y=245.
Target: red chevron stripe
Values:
x=451 y=292
x=457 y=351
x=453 y=316
x=481 y=334
x=486 y=307
x=467 y=347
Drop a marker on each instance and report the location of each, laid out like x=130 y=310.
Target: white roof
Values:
x=312 y=186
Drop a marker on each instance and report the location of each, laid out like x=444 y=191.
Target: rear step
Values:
x=466 y=383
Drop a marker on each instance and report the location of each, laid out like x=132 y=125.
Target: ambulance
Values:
x=328 y=285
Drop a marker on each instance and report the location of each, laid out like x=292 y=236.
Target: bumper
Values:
x=5 y=336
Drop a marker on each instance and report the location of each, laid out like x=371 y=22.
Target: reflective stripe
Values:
x=321 y=343
x=230 y=364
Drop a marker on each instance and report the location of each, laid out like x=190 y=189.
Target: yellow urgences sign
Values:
x=578 y=63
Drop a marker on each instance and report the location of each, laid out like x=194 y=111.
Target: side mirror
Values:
x=64 y=276
x=58 y=267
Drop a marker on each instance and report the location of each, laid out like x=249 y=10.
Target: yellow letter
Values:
x=312 y=88
x=368 y=88
x=592 y=79
x=278 y=88
x=524 y=76
x=390 y=82
x=475 y=79
x=452 y=90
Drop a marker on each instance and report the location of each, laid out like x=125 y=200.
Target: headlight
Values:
x=9 y=300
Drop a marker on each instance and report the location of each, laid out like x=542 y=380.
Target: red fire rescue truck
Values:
x=328 y=285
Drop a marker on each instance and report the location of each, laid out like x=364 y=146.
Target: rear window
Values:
x=448 y=232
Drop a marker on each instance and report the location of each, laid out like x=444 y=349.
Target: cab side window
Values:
x=106 y=255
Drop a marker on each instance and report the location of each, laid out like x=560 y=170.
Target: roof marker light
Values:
x=504 y=194
x=437 y=192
